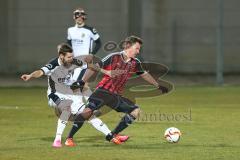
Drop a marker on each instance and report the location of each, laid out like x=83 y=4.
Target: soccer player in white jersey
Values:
x=85 y=40
x=82 y=37
x=60 y=92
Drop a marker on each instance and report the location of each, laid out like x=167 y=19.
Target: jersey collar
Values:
x=122 y=55
x=79 y=27
x=59 y=61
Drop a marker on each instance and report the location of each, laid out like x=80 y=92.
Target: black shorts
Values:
x=101 y=97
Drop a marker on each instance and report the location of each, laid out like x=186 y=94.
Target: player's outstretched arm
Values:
x=35 y=74
x=148 y=77
x=92 y=68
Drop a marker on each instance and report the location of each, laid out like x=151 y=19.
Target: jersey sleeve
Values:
x=139 y=69
x=105 y=62
x=68 y=34
x=49 y=67
x=97 y=46
x=94 y=34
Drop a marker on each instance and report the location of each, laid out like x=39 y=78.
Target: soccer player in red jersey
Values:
x=117 y=68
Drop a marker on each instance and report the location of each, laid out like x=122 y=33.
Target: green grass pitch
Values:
x=208 y=117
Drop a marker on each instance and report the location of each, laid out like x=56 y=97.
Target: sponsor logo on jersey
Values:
x=83 y=35
x=77 y=41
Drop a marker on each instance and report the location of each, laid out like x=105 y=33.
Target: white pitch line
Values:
x=17 y=107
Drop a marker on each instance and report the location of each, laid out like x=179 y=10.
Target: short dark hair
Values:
x=63 y=48
x=131 y=40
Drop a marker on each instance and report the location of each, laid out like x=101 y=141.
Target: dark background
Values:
x=181 y=34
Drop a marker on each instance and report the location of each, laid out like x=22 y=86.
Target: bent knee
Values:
x=136 y=112
x=87 y=113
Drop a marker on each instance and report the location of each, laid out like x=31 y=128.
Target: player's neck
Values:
x=126 y=58
x=60 y=61
x=80 y=25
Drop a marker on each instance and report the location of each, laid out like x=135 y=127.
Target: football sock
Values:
x=99 y=125
x=76 y=126
x=60 y=128
x=109 y=137
x=124 y=123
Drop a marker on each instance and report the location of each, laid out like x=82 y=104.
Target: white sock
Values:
x=60 y=128
x=99 y=125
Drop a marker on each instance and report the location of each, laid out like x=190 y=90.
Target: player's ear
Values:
x=61 y=56
x=128 y=45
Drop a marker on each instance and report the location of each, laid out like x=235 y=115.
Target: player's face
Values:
x=134 y=50
x=79 y=20
x=67 y=59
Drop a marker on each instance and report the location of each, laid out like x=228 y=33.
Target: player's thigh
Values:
x=125 y=105
x=78 y=104
x=98 y=99
x=56 y=105
x=54 y=99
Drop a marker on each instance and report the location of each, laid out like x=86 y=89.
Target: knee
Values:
x=136 y=112
x=87 y=113
x=83 y=116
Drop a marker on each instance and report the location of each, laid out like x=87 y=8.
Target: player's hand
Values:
x=163 y=89
x=88 y=58
x=26 y=77
x=79 y=84
x=77 y=62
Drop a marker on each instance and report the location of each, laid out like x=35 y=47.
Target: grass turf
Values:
x=208 y=118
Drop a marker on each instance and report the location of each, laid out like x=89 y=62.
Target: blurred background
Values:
x=197 y=40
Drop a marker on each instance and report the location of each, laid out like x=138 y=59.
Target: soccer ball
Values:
x=172 y=135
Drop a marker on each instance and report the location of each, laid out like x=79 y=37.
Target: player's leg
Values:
x=64 y=109
x=77 y=102
x=132 y=111
x=77 y=107
x=78 y=123
x=64 y=106
x=78 y=74
x=126 y=120
x=99 y=125
x=95 y=101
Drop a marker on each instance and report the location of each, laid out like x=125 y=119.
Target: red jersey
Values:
x=115 y=61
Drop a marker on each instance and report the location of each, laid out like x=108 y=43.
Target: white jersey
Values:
x=59 y=77
x=82 y=39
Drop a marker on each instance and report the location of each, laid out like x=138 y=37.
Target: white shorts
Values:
x=78 y=102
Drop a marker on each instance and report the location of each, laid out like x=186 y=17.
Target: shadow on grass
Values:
x=48 y=139
x=99 y=141
x=88 y=139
